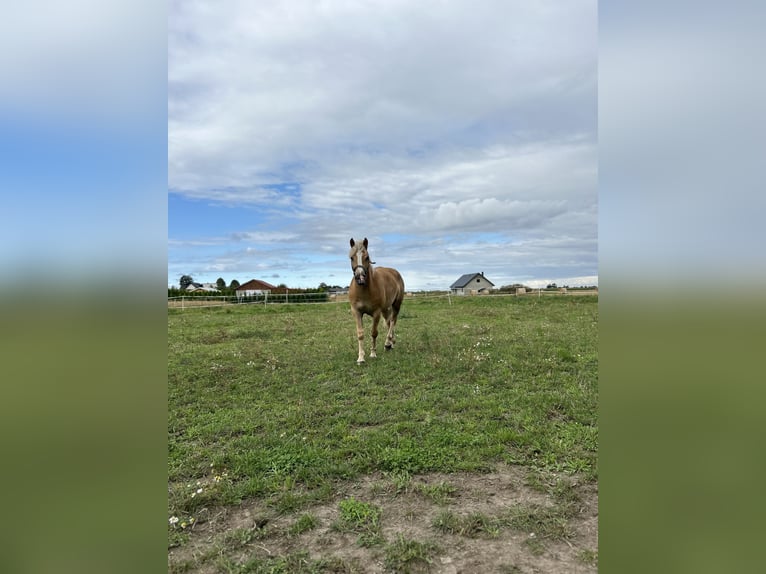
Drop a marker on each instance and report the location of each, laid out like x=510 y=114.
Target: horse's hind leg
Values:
x=375 y=321
x=391 y=323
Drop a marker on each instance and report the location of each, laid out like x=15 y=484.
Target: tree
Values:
x=185 y=281
x=220 y=283
x=234 y=284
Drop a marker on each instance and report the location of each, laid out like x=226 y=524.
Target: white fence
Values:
x=199 y=301
x=184 y=302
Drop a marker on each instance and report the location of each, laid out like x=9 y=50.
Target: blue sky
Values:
x=456 y=137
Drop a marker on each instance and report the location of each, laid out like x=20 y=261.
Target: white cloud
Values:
x=486 y=214
x=254 y=86
x=494 y=189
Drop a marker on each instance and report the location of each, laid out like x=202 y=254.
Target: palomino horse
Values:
x=374 y=292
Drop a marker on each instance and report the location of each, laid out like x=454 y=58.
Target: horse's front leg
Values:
x=375 y=321
x=359 y=336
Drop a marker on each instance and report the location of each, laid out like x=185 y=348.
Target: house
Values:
x=254 y=287
x=471 y=283
x=202 y=287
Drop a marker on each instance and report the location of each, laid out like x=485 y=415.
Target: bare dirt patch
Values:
x=509 y=520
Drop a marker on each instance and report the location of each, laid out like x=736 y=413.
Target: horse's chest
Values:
x=368 y=307
x=364 y=307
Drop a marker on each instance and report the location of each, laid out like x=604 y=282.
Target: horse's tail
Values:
x=399 y=296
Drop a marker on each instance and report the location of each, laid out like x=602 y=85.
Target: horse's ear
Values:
x=365 y=243
x=352 y=242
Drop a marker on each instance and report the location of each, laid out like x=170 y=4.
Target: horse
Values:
x=374 y=292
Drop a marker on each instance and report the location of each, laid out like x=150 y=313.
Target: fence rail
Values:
x=266 y=298
x=200 y=301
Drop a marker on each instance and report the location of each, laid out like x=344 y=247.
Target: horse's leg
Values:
x=375 y=321
x=359 y=336
x=391 y=322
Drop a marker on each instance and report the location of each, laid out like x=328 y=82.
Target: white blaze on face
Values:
x=359 y=272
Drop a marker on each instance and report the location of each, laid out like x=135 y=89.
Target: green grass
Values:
x=561 y=490
x=242 y=536
x=543 y=522
x=409 y=556
x=297 y=563
x=589 y=556
x=305 y=523
x=360 y=517
x=270 y=400
x=441 y=493
x=474 y=525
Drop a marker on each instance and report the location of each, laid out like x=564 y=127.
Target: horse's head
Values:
x=360 y=261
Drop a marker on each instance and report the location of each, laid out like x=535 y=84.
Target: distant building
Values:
x=202 y=287
x=254 y=287
x=471 y=283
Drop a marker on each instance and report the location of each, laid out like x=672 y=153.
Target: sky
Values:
x=457 y=137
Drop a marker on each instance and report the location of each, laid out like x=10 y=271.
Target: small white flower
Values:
x=173 y=520
x=199 y=491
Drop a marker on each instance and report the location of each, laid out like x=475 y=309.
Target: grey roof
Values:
x=466 y=279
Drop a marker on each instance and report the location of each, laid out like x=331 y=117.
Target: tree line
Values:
x=186 y=281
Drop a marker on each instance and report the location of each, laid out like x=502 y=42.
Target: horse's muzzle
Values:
x=360 y=275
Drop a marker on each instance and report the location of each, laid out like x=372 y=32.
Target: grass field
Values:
x=280 y=445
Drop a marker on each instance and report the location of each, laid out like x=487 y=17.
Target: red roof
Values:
x=256 y=285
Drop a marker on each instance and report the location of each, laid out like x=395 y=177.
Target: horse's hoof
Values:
x=360 y=361
x=389 y=347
